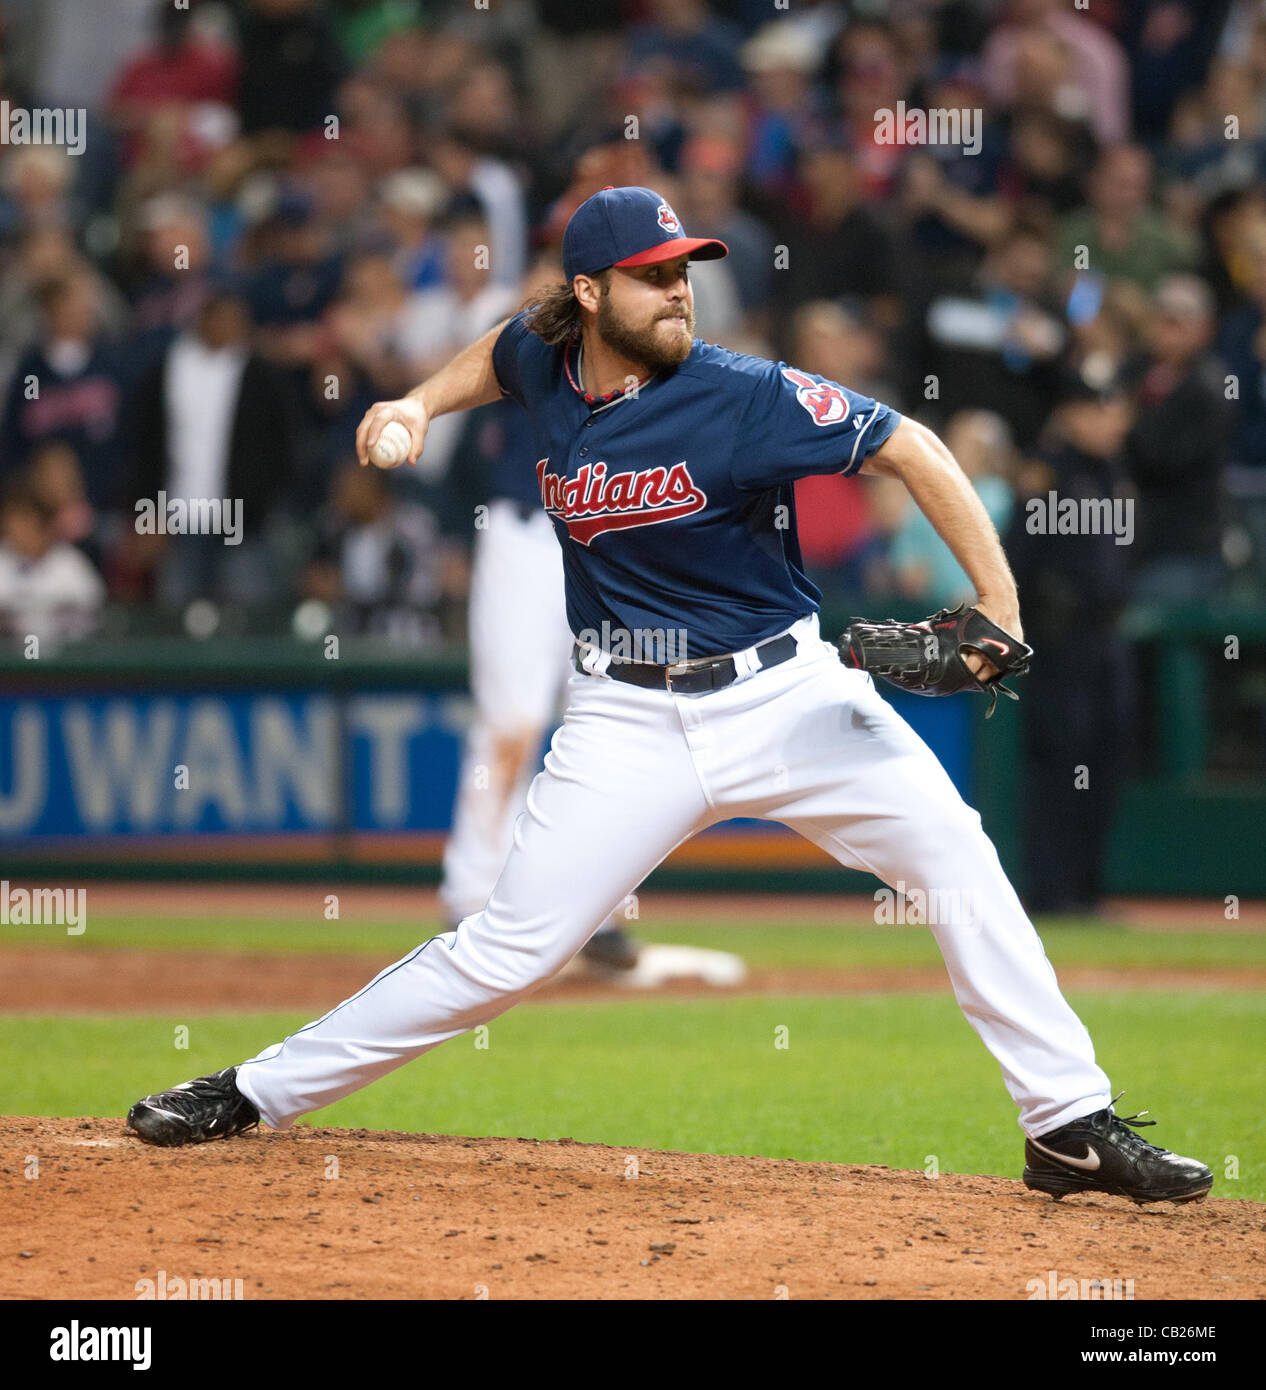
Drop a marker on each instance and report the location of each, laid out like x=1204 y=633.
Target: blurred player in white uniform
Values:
x=520 y=661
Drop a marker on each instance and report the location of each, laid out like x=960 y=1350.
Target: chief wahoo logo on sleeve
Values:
x=825 y=401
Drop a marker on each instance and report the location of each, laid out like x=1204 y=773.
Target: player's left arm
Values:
x=942 y=491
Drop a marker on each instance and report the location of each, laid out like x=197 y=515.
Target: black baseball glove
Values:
x=926 y=658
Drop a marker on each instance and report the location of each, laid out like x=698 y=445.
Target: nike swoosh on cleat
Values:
x=1090 y=1163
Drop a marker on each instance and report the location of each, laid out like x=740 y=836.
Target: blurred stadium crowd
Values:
x=287 y=209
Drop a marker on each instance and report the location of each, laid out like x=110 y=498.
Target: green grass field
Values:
x=886 y=1078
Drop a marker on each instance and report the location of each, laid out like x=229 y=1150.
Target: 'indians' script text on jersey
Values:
x=673 y=502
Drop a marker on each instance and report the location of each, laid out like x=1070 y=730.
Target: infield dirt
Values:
x=116 y=980
x=336 y=1214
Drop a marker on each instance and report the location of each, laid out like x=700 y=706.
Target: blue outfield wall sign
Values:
x=180 y=764
x=77 y=766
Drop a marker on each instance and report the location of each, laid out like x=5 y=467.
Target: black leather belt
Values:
x=694 y=677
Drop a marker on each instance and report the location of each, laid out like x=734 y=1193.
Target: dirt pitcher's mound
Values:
x=49 y=980
x=88 y=1212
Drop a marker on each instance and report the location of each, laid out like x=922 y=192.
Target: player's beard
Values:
x=646 y=346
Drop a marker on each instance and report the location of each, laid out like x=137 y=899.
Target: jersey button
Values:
x=582 y=452
x=589 y=421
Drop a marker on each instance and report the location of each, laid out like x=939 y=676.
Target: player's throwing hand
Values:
x=408 y=412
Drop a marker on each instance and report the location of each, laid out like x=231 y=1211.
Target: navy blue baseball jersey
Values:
x=514 y=468
x=497 y=451
x=674 y=502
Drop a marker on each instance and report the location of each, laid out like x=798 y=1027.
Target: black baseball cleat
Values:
x=194 y=1112
x=1099 y=1153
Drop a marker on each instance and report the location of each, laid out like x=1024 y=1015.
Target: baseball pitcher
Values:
x=666 y=466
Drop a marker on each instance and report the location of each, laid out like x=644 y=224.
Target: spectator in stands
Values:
x=413 y=203
x=485 y=107
x=1169 y=43
x=1093 y=80
x=295 y=281
x=1107 y=325
x=291 y=64
x=780 y=107
x=1120 y=234
x=68 y=387
x=42 y=256
x=781 y=110
x=1201 y=154
x=586 y=43
x=926 y=571
x=358 y=357
x=56 y=481
x=213 y=421
x=700 y=50
x=842 y=247
x=999 y=347
x=342 y=192
x=378 y=127
x=1232 y=224
x=653 y=92
x=181 y=73
x=419 y=66
x=381 y=563
x=35 y=193
x=372 y=327
x=48 y=588
x=872 y=77
x=173 y=277
x=950 y=192
x=227 y=186
x=816 y=21
x=1177 y=448
x=711 y=167
x=1044 y=166
x=1078 y=696
x=436 y=324
x=498 y=195
x=1242 y=348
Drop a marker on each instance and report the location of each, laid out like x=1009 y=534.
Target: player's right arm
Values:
x=462 y=384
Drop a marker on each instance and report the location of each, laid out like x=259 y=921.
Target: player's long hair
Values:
x=554 y=314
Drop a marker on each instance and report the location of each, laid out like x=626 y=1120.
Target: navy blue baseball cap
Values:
x=627 y=227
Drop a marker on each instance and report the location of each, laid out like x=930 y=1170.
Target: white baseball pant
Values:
x=520 y=655
x=630 y=774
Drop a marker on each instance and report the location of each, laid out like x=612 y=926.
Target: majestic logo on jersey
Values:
x=668 y=220
x=825 y=401
x=593 y=502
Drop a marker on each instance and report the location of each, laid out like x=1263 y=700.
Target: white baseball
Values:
x=392 y=446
